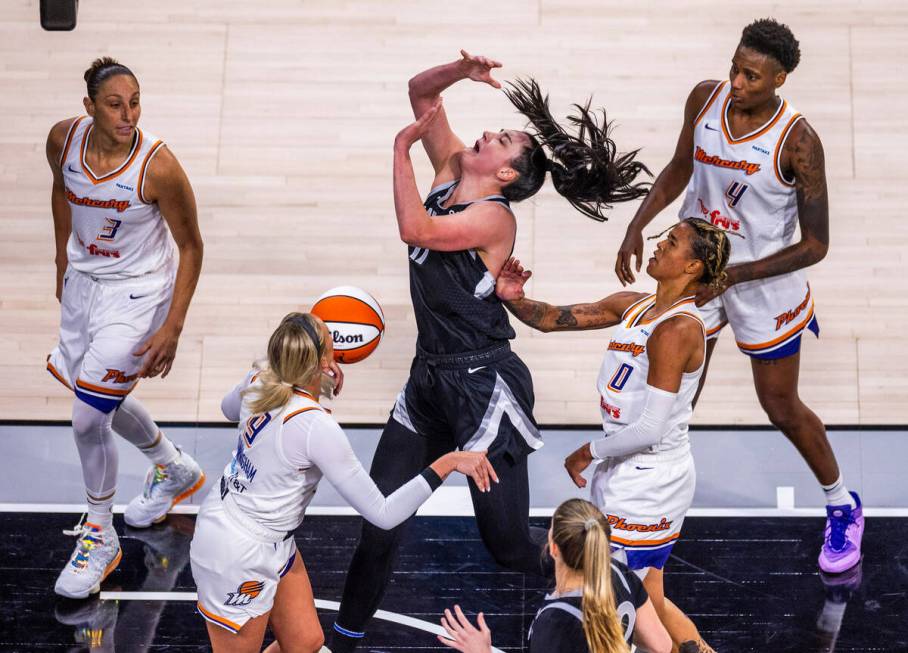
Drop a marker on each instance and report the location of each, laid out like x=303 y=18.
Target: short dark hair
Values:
x=772 y=38
x=100 y=71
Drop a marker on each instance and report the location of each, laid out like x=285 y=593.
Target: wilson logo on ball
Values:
x=355 y=320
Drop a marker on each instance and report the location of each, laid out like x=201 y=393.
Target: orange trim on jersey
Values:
x=56 y=374
x=69 y=138
x=221 y=621
x=709 y=102
x=665 y=540
x=136 y=146
x=301 y=410
x=749 y=137
x=631 y=307
x=793 y=332
x=680 y=302
x=776 y=155
x=154 y=149
x=640 y=308
x=302 y=393
x=113 y=392
x=697 y=318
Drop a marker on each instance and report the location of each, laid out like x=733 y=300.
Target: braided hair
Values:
x=710 y=246
x=586 y=168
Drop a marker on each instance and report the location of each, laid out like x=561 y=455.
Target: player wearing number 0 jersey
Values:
x=644 y=479
x=753 y=166
x=244 y=560
x=117 y=192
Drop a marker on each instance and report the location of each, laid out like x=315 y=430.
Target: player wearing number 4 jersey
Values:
x=644 y=480
x=123 y=301
x=754 y=166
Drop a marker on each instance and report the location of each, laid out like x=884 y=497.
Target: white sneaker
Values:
x=97 y=553
x=165 y=486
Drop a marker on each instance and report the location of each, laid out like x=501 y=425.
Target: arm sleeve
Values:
x=233 y=400
x=328 y=448
x=646 y=431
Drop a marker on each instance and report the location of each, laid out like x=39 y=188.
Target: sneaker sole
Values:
x=185 y=494
x=97 y=587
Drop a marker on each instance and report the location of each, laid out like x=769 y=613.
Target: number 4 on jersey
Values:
x=735 y=192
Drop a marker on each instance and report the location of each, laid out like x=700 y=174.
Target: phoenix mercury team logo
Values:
x=245 y=593
x=120 y=206
x=618 y=523
x=630 y=347
x=791 y=315
x=714 y=160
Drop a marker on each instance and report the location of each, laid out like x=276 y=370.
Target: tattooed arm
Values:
x=545 y=317
x=803 y=158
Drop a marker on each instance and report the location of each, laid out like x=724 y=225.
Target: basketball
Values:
x=355 y=320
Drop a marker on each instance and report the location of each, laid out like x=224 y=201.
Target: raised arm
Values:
x=440 y=142
x=546 y=317
x=667 y=187
x=805 y=160
x=484 y=226
x=58 y=204
x=167 y=185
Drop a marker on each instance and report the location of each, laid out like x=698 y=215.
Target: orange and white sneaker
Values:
x=165 y=486
x=97 y=553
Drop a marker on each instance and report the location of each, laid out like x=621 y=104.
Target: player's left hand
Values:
x=159 y=351
x=416 y=130
x=334 y=369
x=510 y=281
x=463 y=635
x=576 y=464
x=709 y=292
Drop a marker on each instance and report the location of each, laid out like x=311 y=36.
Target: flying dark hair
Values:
x=769 y=37
x=100 y=71
x=586 y=167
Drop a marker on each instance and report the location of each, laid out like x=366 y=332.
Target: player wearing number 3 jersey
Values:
x=117 y=191
x=644 y=479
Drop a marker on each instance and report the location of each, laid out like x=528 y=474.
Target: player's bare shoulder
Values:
x=56 y=140
x=804 y=159
x=164 y=174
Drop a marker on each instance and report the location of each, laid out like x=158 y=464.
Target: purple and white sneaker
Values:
x=842 y=540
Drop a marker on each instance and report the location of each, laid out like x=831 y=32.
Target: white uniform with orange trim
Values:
x=646 y=494
x=119 y=282
x=737 y=184
x=243 y=541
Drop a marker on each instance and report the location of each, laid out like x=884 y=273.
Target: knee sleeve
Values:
x=97 y=449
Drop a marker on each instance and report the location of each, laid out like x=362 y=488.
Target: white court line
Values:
x=347 y=511
x=333 y=606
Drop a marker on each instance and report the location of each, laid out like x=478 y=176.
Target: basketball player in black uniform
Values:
x=466 y=388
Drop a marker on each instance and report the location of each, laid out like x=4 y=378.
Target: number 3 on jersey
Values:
x=620 y=377
x=109 y=232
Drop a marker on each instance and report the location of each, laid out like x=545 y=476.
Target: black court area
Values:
x=750 y=584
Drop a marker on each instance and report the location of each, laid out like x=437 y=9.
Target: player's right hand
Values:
x=510 y=281
x=416 y=130
x=479 y=68
x=464 y=636
x=632 y=246
x=475 y=465
x=576 y=464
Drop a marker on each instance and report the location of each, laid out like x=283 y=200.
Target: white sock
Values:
x=162 y=451
x=837 y=494
x=100 y=511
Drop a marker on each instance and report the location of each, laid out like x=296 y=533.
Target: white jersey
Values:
x=261 y=480
x=116 y=234
x=625 y=367
x=737 y=183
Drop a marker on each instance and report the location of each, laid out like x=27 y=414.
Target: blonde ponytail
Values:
x=581 y=532
x=294 y=357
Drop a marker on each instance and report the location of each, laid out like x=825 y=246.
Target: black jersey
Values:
x=453 y=293
x=558 y=625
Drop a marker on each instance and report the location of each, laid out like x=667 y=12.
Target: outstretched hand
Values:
x=510 y=281
x=464 y=636
x=479 y=68
x=416 y=130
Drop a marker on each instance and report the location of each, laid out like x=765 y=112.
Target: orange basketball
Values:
x=355 y=320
